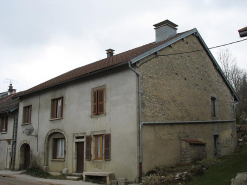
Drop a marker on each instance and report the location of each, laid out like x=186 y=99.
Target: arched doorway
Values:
x=24 y=156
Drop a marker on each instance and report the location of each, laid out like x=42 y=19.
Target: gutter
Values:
x=140 y=120
x=188 y=122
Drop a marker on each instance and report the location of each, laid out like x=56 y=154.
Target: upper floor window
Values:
x=27 y=114
x=57 y=108
x=213 y=106
x=4 y=124
x=98 y=101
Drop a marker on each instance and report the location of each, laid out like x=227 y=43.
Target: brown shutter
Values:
x=95 y=102
x=26 y=115
x=54 y=149
x=88 y=148
x=6 y=124
x=1 y=123
x=107 y=147
x=101 y=101
x=54 y=114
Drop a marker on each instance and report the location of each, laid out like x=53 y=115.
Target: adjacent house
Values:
x=243 y=32
x=8 y=128
x=162 y=103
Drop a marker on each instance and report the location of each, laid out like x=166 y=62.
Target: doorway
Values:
x=80 y=157
x=27 y=157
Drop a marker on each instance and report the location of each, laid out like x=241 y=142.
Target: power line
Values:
x=204 y=49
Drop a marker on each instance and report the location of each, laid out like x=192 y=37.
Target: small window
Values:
x=58 y=148
x=27 y=114
x=4 y=124
x=99 y=147
x=216 y=145
x=213 y=106
x=57 y=108
x=98 y=101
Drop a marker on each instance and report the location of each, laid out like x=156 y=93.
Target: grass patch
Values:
x=37 y=172
x=223 y=169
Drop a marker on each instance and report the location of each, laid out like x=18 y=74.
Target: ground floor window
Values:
x=58 y=148
x=99 y=145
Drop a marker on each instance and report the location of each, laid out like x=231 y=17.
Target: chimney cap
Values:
x=165 y=22
x=110 y=50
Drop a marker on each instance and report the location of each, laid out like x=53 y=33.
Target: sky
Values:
x=40 y=40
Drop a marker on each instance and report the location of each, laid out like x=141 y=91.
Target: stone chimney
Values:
x=165 y=30
x=109 y=52
x=11 y=90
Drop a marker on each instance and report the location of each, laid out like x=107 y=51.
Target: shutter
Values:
x=1 y=123
x=54 y=149
x=107 y=147
x=54 y=114
x=6 y=124
x=95 y=102
x=26 y=115
x=101 y=101
x=88 y=148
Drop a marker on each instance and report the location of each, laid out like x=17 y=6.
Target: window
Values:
x=27 y=114
x=58 y=148
x=98 y=102
x=102 y=147
x=57 y=108
x=99 y=147
x=216 y=145
x=4 y=124
x=213 y=106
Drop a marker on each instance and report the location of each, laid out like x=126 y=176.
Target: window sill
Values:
x=3 y=132
x=54 y=119
x=58 y=160
x=97 y=115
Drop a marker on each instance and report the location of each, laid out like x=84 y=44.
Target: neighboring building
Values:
x=243 y=32
x=163 y=103
x=8 y=126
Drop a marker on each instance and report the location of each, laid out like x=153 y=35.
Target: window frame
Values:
x=98 y=101
x=27 y=114
x=57 y=150
x=4 y=124
x=54 y=108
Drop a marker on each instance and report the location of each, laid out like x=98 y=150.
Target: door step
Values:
x=77 y=174
x=73 y=177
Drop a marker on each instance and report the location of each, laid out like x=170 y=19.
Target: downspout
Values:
x=140 y=120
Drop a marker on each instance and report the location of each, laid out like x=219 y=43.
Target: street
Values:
x=14 y=181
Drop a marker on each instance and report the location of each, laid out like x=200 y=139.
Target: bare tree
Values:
x=230 y=68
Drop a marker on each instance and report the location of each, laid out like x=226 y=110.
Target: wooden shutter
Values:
x=107 y=147
x=26 y=115
x=54 y=149
x=54 y=112
x=6 y=124
x=88 y=148
x=101 y=101
x=95 y=99
x=1 y=123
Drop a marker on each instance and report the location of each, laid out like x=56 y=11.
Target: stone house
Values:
x=8 y=126
x=163 y=103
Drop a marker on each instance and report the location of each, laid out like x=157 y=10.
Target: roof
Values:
x=132 y=56
x=3 y=94
x=7 y=104
x=193 y=141
x=243 y=29
x=243 y=32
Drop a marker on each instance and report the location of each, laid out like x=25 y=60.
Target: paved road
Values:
x=14 y=181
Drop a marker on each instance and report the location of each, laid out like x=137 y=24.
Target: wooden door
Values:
x=80 y=157
x=27 y=157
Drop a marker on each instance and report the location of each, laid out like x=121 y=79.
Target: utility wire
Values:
x=204 y=49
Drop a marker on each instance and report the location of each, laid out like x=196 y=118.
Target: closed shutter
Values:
x=107 y=147
x=54 y=149
x=95 y=99
x=1 y=123
x=26 y=115
x=101 y=101
x=88 y=148
x=6 y=124
x=54 y=113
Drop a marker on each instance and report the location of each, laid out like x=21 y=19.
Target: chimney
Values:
x=109 y=52
x=165 y=30
x=11 y=90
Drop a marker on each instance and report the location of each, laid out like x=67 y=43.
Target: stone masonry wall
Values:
x=179 y=88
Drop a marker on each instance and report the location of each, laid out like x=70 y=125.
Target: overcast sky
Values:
x=40 y=40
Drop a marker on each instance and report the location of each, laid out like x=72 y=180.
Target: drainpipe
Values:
x=140 y=120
